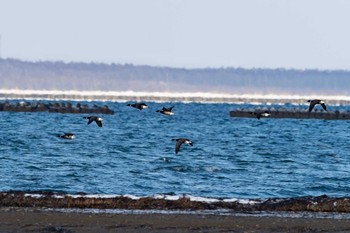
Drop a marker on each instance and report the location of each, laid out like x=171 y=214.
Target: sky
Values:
x=291 y=34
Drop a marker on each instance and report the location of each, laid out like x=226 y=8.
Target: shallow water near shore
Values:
x=222 y=212
x=133 y=153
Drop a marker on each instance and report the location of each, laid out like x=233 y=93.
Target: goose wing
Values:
x=167 y=109
x=99 y=123
x=138 y=106
x=258 y=115
x=179 y=142
x=312 y=105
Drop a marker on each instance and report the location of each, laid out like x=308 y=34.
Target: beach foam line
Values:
x=124 y=96
x=156 y=196
x=173 y=202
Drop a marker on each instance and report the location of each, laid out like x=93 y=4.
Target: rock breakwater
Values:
x=81 y=200
x=292 y=113
x=53 y=107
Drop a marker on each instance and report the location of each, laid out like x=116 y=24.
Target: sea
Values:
x=134 y=152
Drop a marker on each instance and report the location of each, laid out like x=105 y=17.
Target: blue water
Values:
x=133 y=153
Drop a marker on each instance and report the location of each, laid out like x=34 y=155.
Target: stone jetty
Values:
x=293 y=113
x=54 y=107
x=83 y=201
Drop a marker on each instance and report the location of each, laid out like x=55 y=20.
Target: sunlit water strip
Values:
x=123 y=96
x=220 y=212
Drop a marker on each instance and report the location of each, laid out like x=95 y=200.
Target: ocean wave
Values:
x=134 y=197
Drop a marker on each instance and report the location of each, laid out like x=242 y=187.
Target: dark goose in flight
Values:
x=166 y=111
x=67 y=136
x=261 y=114
x=314 y=102
x=139 y=106
x=98 y=120
x=180 y=141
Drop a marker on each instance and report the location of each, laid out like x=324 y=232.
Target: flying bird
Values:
x=261 y=114
x=67 y=136
x=166 y=111
x=314 y=102
x=180 y=141
x=139 y=106
x=98 y=120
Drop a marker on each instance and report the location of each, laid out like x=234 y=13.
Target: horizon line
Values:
x=176 y=67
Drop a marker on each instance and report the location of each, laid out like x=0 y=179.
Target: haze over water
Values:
x=133 y=153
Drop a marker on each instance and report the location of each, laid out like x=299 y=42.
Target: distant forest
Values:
x=48 y=75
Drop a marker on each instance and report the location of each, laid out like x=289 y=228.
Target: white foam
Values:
x=242 y=201
x=202 y=199
x=205 y=199
x=133 y=197
x=106 y=196
x=204 y=97
x=156 y=196
x=34 y=195
x=167 y=197
x=100 y=196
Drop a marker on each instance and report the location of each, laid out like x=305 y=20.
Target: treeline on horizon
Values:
x=49 y=75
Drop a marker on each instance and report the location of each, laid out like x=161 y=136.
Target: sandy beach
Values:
x=41 y=220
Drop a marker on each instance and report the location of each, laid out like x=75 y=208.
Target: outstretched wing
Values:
x=135 y=105
x=312 y=105
x=90 y=120
x=168 y=109
x=178 y=145
x=99 y=123
x=138 y=106
x=324 y=107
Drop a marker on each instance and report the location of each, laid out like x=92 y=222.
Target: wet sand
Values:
x=41 y=220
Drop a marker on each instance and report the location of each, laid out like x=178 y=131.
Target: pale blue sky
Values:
x=180 y=33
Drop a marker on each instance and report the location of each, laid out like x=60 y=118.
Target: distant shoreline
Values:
x=125 y=96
